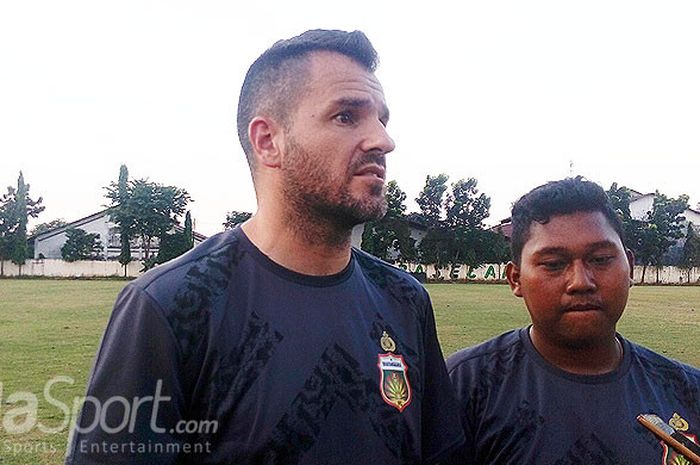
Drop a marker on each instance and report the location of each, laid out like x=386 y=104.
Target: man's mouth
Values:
x=372 y=170
x=583 y=307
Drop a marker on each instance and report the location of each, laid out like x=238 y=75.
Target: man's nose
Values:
x=378 y=139
x=580 y=278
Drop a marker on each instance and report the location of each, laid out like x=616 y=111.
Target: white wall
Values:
x=639 y=207
x=496 y=272
x=51 y=247
x=491 y=272
x=667 y=275
x=79 y=269
x=693 y=217
x=356 y=236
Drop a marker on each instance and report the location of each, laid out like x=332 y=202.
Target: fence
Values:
x=491 y=272
x=497 y=272
x=51 y=268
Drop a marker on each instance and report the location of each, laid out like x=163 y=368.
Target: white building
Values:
x=48 y=244
x=640 y=204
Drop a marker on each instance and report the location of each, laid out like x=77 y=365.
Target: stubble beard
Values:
x=319 y=210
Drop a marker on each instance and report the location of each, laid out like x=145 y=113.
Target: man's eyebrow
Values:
x=564 y=251
x=352 y=102
x=360 y=103
x=601 y=245
x=551 y=251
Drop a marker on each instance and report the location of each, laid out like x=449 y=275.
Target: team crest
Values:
x=394 y=385
x=671 y=457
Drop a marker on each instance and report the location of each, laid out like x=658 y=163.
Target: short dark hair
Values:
x=274 y=81
x=561 y=197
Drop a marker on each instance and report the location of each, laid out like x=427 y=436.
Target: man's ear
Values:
x=630 y=260
x=513 y=276
x=264 y=135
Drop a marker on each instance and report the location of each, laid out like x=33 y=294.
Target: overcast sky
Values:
x=511 y=93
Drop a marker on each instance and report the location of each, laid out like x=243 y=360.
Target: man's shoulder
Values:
x=378 y=267
x=215 y=256
x=504 y=344
x=386 y=275
x=653 y=361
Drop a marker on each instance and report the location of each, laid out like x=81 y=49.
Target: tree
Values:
x=495 y=246
x=18 y=254
x=390 y=237
x=465 y=212
x=81 y=245
x=650 y=237
x=633 y=228
x=15 y=209
x=121 y=214
x=7 y=224
x=147 y=210
x=126 y=220
x=172 y=245
x=454 y=219
x=691 y=251
x=464 y=208
x=155 y=209
x=48 y=226
x=430 y=199
x=235 y=218
x=431 y=249
x=661 y=228
x=189 y=232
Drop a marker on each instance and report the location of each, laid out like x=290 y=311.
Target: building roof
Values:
x=90 y=218
x=638 y=196
x=74 y=224
x=505 y=228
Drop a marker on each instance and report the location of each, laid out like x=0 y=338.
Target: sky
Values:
x=512 y=93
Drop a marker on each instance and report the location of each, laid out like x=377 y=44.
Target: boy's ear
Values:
x=513 y=276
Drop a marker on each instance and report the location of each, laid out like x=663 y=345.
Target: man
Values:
x=299 y=349
x=568 y=388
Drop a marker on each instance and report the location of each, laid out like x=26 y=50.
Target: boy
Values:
x=568 y=388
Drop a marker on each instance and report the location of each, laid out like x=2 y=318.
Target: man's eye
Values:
x=553 y=265
x=344 y=117
x=602 y=260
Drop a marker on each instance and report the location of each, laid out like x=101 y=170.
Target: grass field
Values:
x=51 y=328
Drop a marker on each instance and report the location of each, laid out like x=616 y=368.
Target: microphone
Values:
x=670 y=436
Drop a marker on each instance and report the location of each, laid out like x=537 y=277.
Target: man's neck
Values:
x=315 y=249
x=596 y=359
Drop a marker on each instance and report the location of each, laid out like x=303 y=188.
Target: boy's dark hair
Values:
x=274 y=82
x=562 y=197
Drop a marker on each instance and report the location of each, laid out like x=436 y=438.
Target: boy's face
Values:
x=574 y=276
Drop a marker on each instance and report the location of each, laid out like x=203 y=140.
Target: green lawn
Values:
x=51 y=328
x=48 y=328
x=663 y=318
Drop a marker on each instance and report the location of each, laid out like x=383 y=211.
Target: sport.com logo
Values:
x=19 y=413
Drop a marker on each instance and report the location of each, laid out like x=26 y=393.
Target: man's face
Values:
x=574 y=276
x=333 y=166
